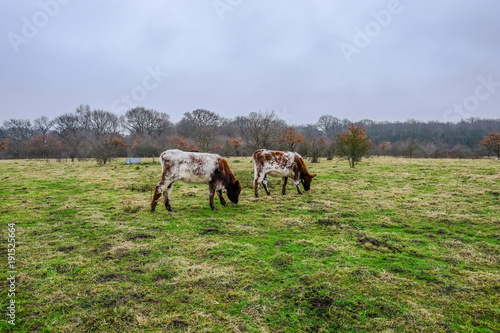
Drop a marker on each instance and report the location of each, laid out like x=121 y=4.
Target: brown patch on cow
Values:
x=196 y=164
x=224 y=177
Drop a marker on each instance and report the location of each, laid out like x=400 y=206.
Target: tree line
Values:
x=95 y=133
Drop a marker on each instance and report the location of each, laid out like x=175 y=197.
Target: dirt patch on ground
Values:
x=372 y=242
x=139 y=236
x=111 y=277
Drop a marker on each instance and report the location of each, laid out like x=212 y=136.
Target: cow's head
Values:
x=306 y=180
x=233 y=191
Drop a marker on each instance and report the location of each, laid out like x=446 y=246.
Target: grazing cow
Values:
x=192 y=167
x=280 y=164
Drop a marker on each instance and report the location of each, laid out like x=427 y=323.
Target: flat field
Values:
x=394 y=245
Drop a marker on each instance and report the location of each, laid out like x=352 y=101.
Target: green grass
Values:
x=393 y=245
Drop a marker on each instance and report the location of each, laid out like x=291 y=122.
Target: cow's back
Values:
x=275 y=163
x=189 y=167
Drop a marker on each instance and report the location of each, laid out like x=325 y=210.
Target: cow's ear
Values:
x=237 y=183
x=312 y=176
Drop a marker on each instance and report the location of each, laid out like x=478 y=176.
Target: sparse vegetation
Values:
x=352 y=145
x=492 y=143
x=392 y=245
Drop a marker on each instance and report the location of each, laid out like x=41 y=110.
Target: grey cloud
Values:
x=261 y=56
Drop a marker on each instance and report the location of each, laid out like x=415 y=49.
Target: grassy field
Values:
x=394 y=245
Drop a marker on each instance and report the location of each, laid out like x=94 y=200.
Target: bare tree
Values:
x=69 y=132
x=141 y=121
x=329 y=125
x=410 y=148
x=315 y=147
x=261 y=130
x=99 y=127
x=18 y=132
x=202 y=126
x=43 y=124
x=101 y=123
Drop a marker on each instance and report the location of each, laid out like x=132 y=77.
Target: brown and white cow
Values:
x=280 y=164
x=193 y=167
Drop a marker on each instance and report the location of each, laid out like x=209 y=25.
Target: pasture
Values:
x=393 y=245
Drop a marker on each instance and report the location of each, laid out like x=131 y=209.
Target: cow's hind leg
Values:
x=256 y=183
x=283 y=184
x=156 y=196
x=167 y=197
x=221 y=198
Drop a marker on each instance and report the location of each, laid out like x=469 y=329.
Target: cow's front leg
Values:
x=297 y=184
x=221 y=198
x=256 y=183
x=156 y=196
x=283 y=185
x=211 y=193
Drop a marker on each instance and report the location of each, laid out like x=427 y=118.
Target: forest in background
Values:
x=94 y=133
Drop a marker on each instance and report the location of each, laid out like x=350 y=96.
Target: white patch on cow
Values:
x=188 y=167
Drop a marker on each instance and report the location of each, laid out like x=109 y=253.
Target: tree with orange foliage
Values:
x=45 y=146
x=107 y=149
x=3 y=144
x=236 y=143
x=492 y=143
x=181 y=143
x=352 y=145
x=291 y=138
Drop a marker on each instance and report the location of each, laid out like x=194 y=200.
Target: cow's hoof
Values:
x=301 y=193
x=283 y=193
x=152 y=210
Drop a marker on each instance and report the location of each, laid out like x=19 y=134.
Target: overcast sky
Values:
x=380 y=60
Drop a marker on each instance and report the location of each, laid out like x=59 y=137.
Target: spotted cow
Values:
x=280 y=164
x=190 y=167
